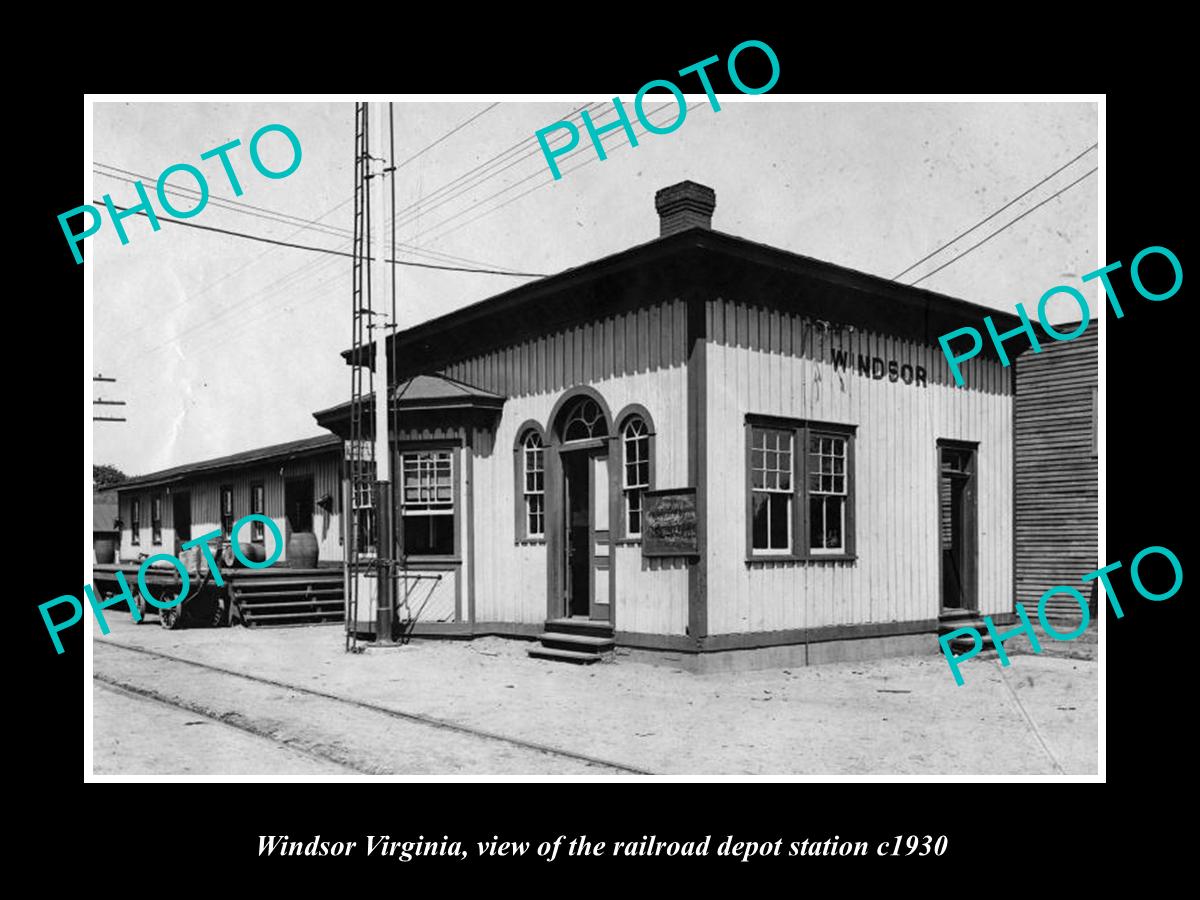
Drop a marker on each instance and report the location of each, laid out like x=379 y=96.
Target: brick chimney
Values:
x=683 y=206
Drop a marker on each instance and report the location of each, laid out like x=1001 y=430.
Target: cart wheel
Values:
x=170 y=618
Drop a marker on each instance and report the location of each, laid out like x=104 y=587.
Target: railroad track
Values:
x=410 y=717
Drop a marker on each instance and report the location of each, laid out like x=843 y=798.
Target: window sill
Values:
x=793 y=558
x=629 y=542
x=529 y=542
x=449 y=560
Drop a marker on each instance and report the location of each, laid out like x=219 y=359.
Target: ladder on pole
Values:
x=361 y=542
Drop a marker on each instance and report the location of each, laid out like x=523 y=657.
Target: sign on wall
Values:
x=669 y=523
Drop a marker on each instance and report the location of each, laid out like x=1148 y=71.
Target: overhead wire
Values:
x=621 y=142
x=279 y=243
x=446 y=135
x=984 y=221
x=479 y=170
x=1006 y=226
x=280 y=217
x=272 y=288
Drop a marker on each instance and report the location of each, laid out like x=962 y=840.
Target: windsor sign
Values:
x=145 y=208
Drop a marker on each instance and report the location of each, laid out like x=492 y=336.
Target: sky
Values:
x=221 y=344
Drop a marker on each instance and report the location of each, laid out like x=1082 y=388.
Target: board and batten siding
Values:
x=770 y=362
x=128 y=551
x=1057 y=489
x=632 y=357
x=206 y=505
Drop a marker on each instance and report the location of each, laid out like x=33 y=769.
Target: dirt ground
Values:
x=901 y=716
x=136 y=736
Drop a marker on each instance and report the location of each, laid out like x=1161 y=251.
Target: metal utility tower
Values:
x=371 y=565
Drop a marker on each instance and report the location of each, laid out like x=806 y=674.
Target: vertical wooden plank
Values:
x=619 y=367
x=653 y=337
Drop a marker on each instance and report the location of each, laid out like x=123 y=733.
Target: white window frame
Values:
x=533 y=451
x=789 y=492
x=426 y=465
x=638 y=489
x=844 y=493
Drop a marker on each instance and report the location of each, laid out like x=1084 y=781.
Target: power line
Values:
x=240 y=206
x=273 y=216
x=470 y=173
x=1003 y=227
x=267 y=240
x=997 y=212
x=468 y=188
x=210 y=336
x=624 y=139
x=446 y=135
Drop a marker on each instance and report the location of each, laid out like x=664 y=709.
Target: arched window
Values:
x=533 y=468
x=635 y=445
x=584 y=420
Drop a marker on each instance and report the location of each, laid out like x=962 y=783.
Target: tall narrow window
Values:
x=771 y=489
x=135 y=521
x=826 y=493
x=360 y=463
x=427 y=502
x=534 y=453
x=635 y=439
x=256 y=506
x=226 y=509
x=156 y=519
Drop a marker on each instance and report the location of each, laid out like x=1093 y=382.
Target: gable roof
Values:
x=245 y=459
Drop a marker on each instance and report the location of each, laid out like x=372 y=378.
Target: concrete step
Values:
x=571 y=656
x=582 y=642
x=580 y=625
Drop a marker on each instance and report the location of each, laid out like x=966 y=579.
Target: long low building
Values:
x=701 y=445
x=297 y=485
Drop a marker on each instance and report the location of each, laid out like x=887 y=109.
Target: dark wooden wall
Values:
x=1056 y=469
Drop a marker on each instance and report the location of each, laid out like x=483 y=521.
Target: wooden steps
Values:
x=950 y=621
x=575 y=640
x=289 y=596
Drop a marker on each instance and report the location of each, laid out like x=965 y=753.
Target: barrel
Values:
x=256 y=553
x=105 y=546
x=302 y=550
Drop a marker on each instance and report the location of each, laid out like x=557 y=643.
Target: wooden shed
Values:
x=708 y=448
x=1057 y=490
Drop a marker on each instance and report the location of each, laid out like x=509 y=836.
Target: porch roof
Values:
x=421 y=393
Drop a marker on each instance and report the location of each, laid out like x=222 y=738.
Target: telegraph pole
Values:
x=103 y=402
x=382 y=200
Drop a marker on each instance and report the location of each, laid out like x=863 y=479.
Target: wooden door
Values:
x=577 y=533
x=957 y=527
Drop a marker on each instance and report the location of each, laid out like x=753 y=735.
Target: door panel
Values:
x=600 y=608
x=957 y=527
x=578 y=533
